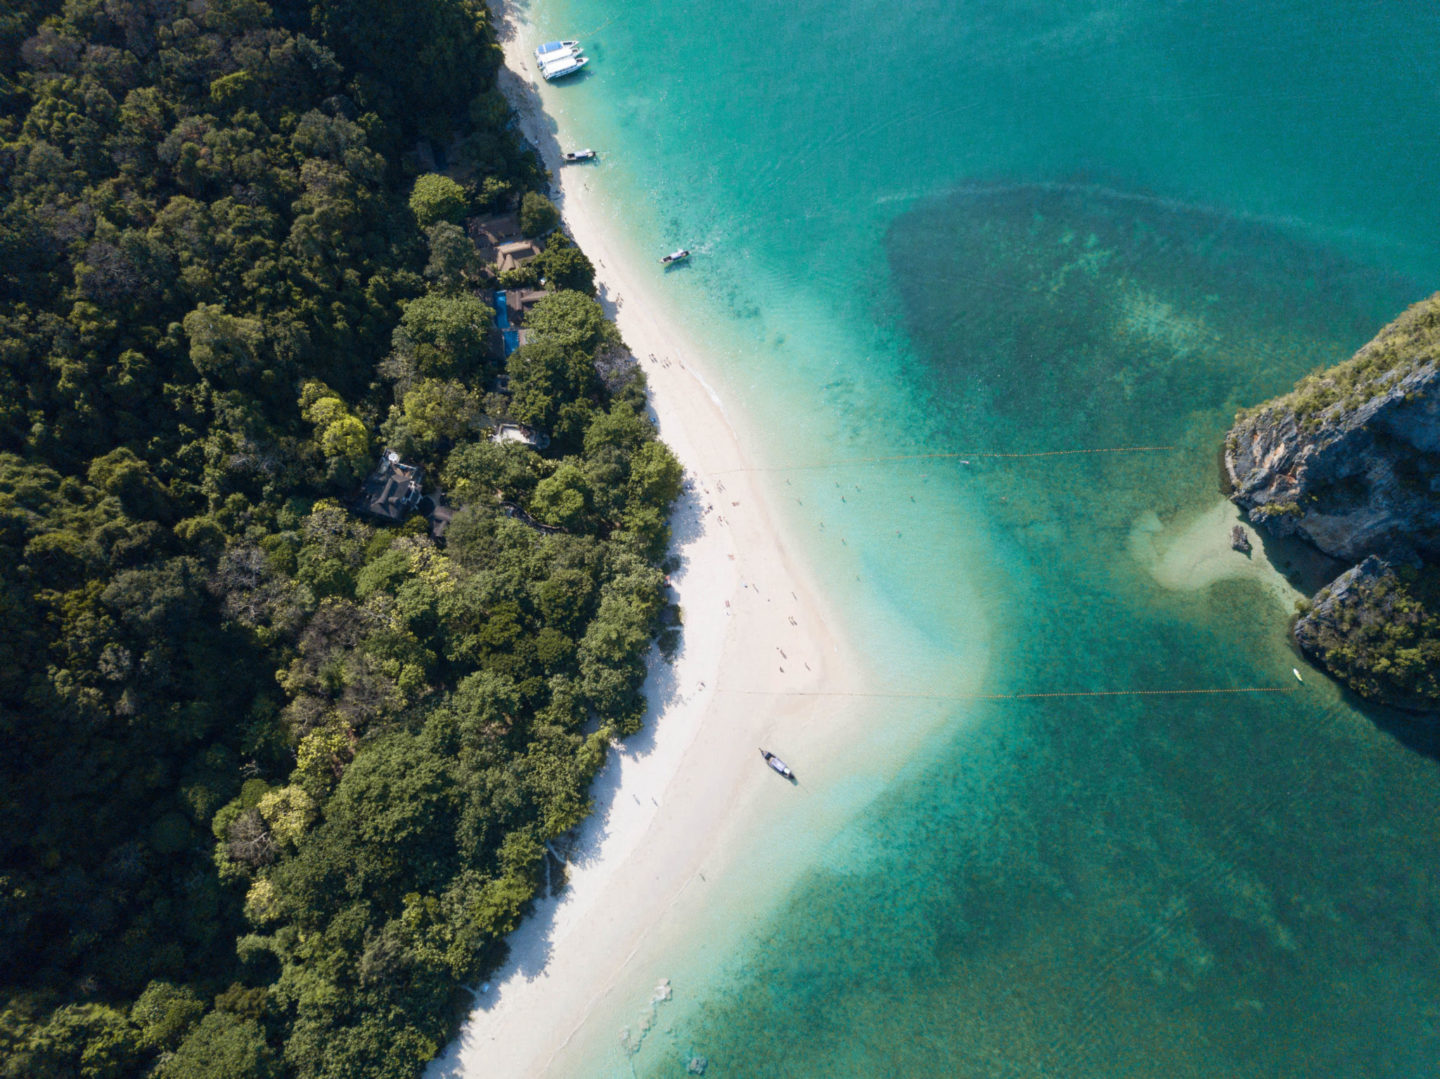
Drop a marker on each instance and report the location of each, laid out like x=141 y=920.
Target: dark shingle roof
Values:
x=392 y=490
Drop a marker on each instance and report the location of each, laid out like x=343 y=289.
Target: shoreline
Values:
x=674 y=800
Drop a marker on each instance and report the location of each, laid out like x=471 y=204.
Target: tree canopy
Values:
x=280 y=778
x=436 y=198
x=537 y=214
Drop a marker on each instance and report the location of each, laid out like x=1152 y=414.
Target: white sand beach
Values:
x=671 y=803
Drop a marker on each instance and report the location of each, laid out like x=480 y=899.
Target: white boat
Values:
x=676 y=256
x=777 y=764
x=564 y=65
x=1296 y=672
x=553 y=50
x=579 y=155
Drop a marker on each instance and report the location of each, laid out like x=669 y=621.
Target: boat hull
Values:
x=551 y=73
x=777 y=765
x=555 y=50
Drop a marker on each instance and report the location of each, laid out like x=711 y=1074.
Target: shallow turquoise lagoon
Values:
x=1000 y=230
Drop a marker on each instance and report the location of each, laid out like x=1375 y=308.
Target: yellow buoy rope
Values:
x=975 y=455
x=1012 y=696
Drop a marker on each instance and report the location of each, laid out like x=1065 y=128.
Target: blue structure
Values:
x=502 y=319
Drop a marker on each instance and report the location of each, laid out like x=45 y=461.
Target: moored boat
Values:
x=565 y=64
x=553 y=50
x=579 y=155
x=676 y=256
x=777 y=764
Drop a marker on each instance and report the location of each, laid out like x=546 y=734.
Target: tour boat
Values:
x=564 y=64
x=579 y=155
x=777 y=764
x=553 y=50
x=676 y=256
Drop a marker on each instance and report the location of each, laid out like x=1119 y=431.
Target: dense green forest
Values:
x=277 y=780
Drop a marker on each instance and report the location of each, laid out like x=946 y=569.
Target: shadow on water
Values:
x=1418 y=732
x=1308 y=570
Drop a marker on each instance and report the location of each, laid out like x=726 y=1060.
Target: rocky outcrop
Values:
x=1371 y=629
x=1350 y=460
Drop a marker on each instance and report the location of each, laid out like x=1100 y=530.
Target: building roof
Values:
x=515 y=253
x=440 y=519
x=392 y=491
x=489 y=233
x=514 y=432
x=495 y=229
x=521 y=298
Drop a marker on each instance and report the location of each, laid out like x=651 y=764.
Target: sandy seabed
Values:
x=1195 y=553
x=678 y=804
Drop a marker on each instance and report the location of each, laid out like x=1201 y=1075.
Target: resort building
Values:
x=522 y=299
x=512 y=255
x=392 y=491
x=511 y=306
x=490 y=232
x=514 y=432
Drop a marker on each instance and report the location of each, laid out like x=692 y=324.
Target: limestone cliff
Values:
x=1350 y=459
x=1350 y=462
x=1373 y=628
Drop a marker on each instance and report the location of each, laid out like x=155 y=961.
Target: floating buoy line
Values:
x=1012 y=696
x=963 y=458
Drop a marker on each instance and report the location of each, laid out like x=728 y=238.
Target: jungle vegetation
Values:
x=1380 y=634
x=1406 y=346
x=277 y=779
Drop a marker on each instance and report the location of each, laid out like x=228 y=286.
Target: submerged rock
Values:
x=1349 y=461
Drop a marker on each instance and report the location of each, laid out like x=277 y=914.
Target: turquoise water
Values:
x=1017 y=228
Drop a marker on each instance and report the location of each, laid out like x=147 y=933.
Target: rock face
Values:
x=1350 y=459
x=1350 y=462
x=1369 y=628
x=1333 y=610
